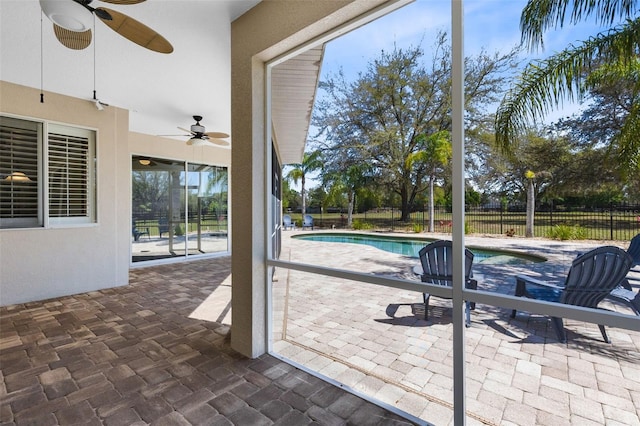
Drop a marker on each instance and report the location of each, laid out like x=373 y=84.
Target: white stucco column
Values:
x=264 y=33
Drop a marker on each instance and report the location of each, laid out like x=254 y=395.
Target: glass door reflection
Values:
x=178 y=209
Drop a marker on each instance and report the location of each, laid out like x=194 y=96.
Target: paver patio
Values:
x=155 y=352
x=143 y=355
x=517 y=371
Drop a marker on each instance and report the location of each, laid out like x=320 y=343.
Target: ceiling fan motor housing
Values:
x=196 y=128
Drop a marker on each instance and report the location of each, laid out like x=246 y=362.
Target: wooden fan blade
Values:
x=123 y=2
x=136 y=32
x=217 y=135
x=72 y=39
x=220 y=142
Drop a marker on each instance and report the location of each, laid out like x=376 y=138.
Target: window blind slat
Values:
x=68 y=188
x=18 y=153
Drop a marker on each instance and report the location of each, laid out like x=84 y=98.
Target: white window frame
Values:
x=90 y=177
x=38 y=220
x=43 y=219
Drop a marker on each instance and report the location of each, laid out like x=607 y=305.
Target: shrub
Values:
x=361 y=225
x=468 y=228
x=178 y=231
x=567 y=232
x=417 y=228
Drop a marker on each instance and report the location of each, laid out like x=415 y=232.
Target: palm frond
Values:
x=628 y=142
x=545 y=84
x=540 y=15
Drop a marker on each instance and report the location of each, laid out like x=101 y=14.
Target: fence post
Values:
x=611 y=220
x=392 y=221
x=501 y=219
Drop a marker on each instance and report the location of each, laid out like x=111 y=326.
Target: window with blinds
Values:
x=67 y=187
x=68 y=172
x=20 y=143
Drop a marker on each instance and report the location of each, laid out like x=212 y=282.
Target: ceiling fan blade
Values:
x=123 y=2
x=185 y=130
x=71 y=39
x=220 y=142
x=217 y=135
x=136 y=31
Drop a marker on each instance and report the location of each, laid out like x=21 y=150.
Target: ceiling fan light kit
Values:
x=196 y=141
x=68 y=14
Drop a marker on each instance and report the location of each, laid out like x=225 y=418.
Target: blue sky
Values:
x=489 y=24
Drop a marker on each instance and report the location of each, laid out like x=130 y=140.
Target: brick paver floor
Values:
x=157 y=352
x=133 y=356
x=375 y=340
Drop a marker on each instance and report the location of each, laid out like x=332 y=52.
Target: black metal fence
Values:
x=613 y=222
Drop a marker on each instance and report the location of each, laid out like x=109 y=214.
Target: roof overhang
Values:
x=294 y=84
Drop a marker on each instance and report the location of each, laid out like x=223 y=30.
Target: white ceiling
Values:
x=161 y=91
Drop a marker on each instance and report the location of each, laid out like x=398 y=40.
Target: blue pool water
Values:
x=411 y=247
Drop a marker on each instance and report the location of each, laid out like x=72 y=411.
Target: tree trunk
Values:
x=351 y=197
x=404 y=206
x=304 y=204
x=431 y=212
x=531 y=208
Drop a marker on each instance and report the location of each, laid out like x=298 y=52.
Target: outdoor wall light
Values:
x=144 y=161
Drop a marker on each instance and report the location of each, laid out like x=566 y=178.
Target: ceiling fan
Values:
x=73 y=19
x=199 y=135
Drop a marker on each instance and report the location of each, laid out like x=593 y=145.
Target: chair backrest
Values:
x=436 y=260
x=307 y=220
x=286 y=219
x=594 y=274
x=634 y=249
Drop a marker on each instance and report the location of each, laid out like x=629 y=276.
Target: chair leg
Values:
x=472 y=285
x=559 y=327
x=635 y=304
x=521 y=290
x=426 y=296
x=604 y=333
x=467 y=312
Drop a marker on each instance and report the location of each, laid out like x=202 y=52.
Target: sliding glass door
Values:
x=178 y=209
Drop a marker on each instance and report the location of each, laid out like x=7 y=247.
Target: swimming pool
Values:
x=410 y=247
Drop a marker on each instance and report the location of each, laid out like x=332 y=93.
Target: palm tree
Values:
x=310 y=163
x=547 y=83
x=436 y=154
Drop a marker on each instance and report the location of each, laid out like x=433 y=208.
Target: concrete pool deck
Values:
x=375 y=341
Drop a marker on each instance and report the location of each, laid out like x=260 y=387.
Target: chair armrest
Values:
x=530 y=280
x=626 y=285
x=544 y=291
x=471 y=284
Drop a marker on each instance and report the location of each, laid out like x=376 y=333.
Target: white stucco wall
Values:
x=39 y=263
